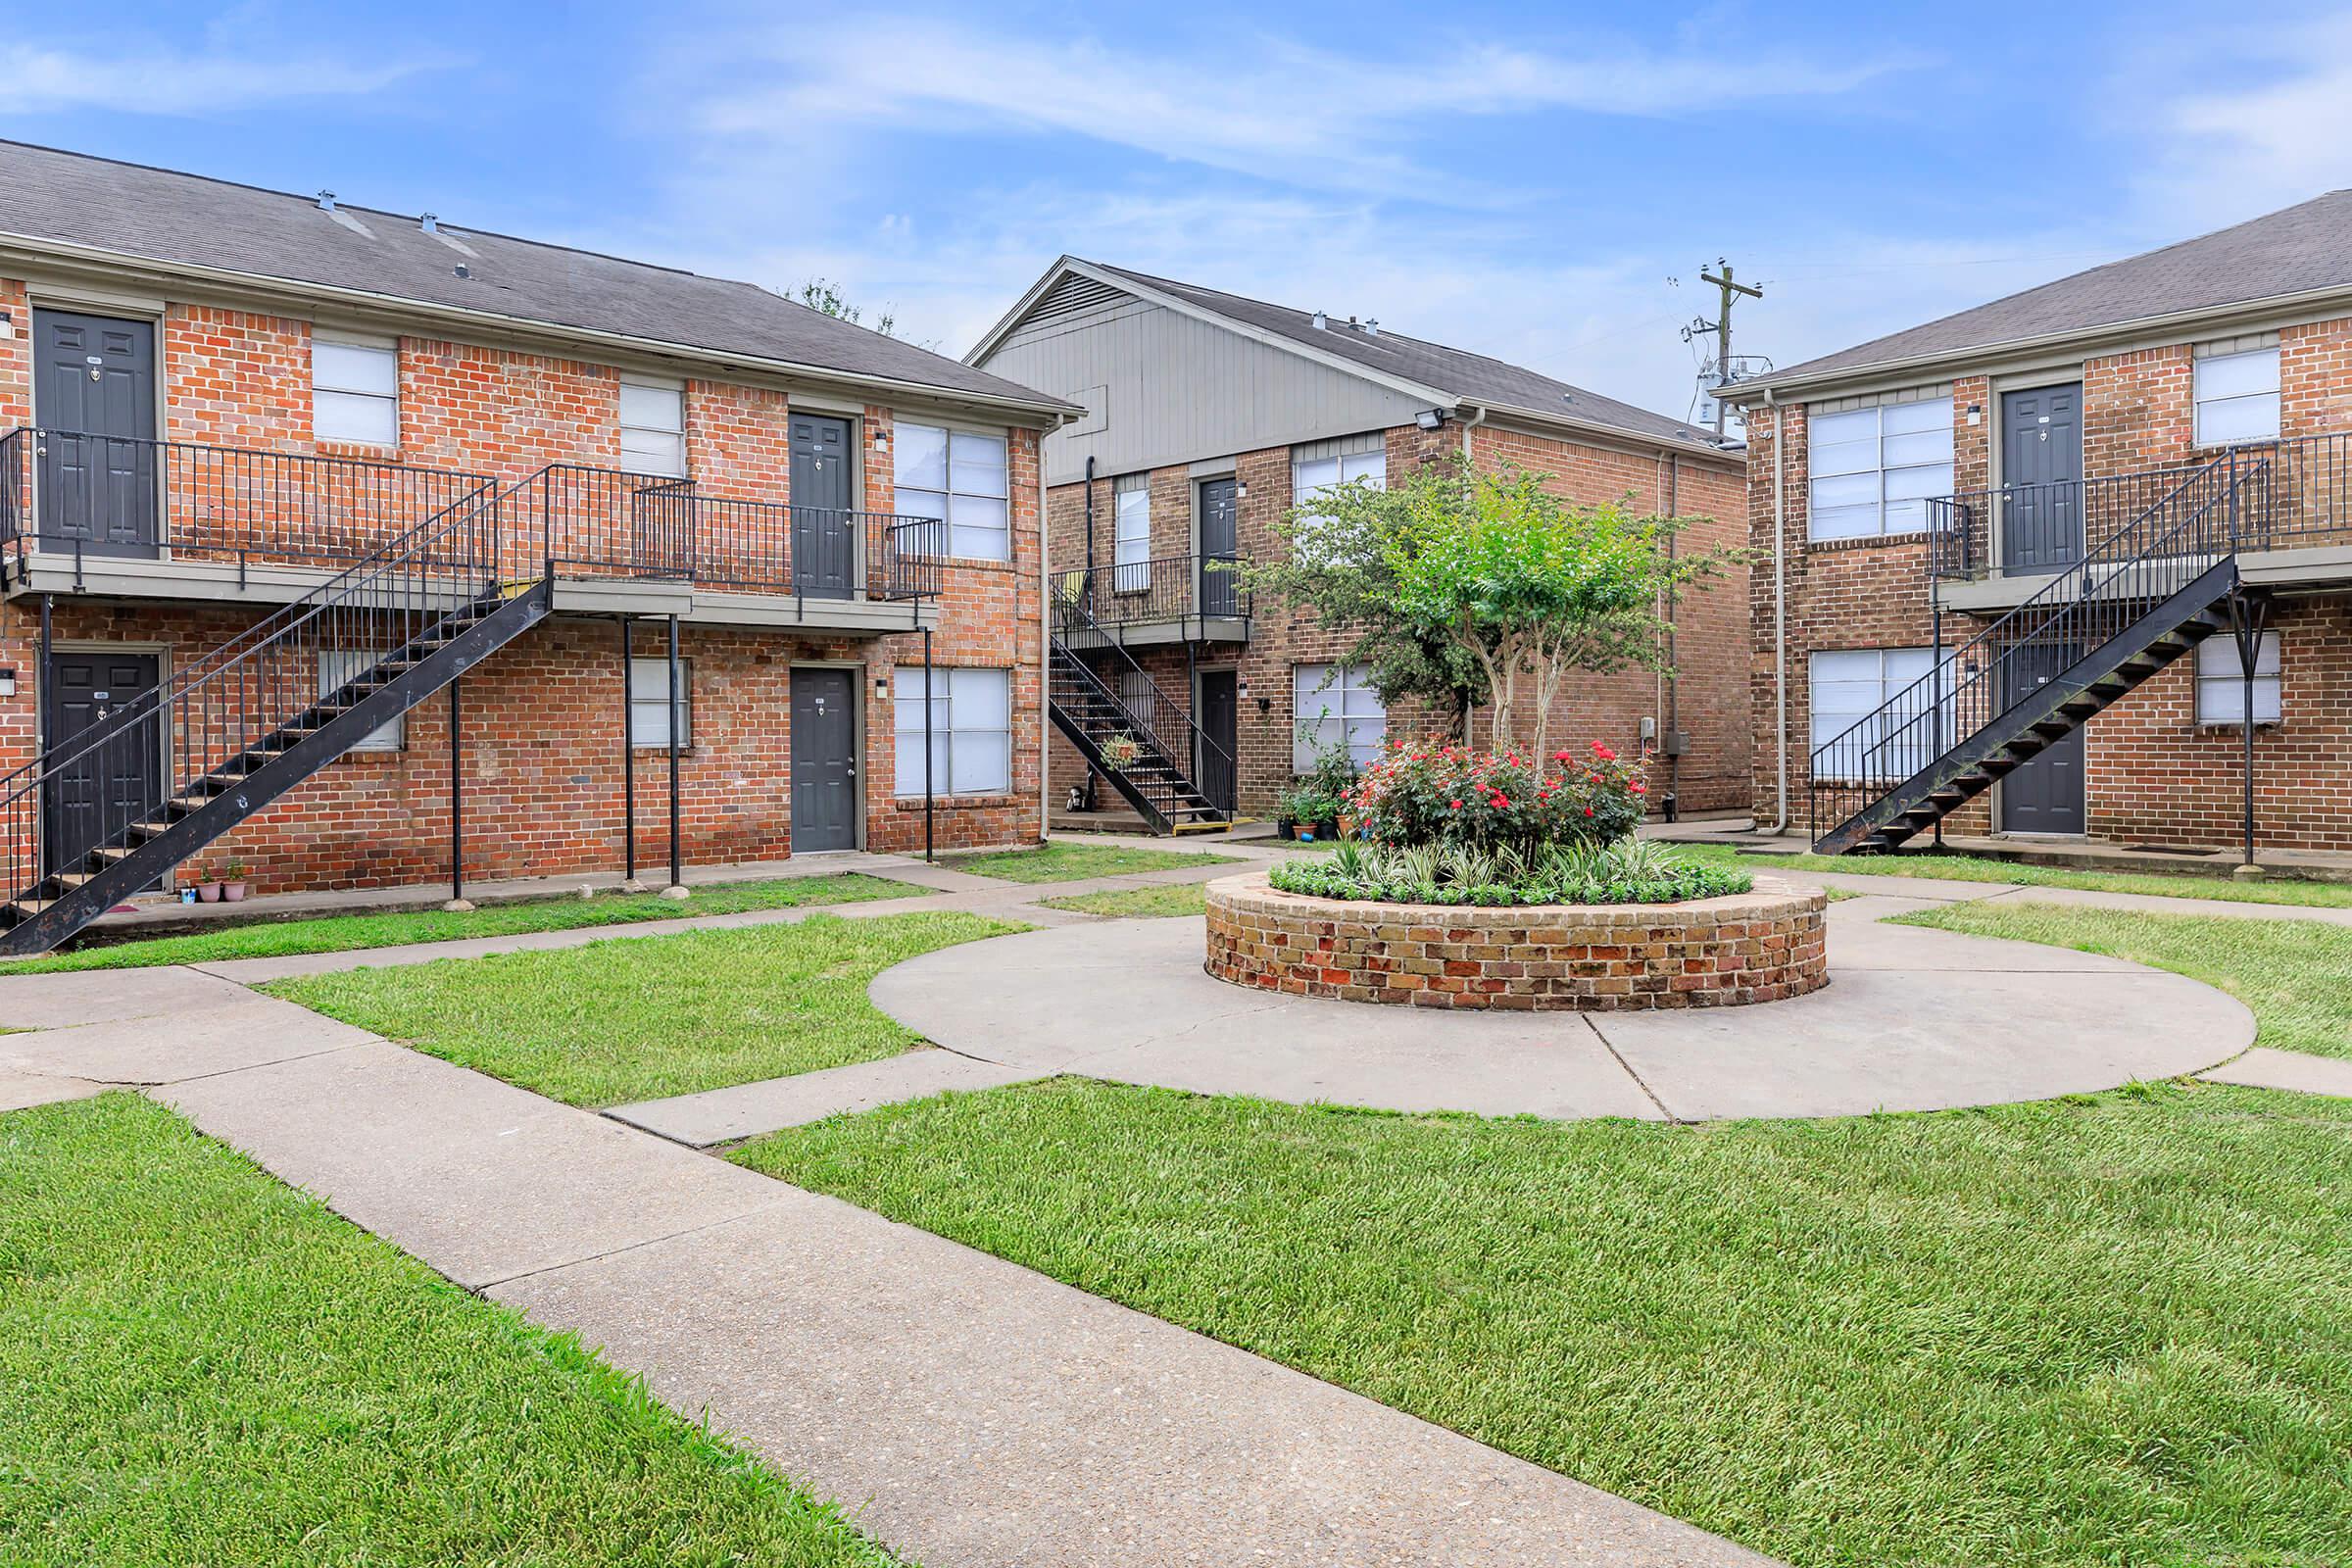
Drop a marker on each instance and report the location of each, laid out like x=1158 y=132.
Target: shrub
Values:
x=1625 y=871
x=1428 y=792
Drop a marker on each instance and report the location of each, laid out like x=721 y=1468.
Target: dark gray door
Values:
x=94 y=398
x=1219 y=594
x=2045 y=795
x=823 y=535
x=825 y=760
x=118 y=781
x=1219 y=714
x=2042 y=479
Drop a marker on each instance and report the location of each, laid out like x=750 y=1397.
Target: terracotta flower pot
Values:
x=207 y=893
x=1306 y=832
x=232 y=893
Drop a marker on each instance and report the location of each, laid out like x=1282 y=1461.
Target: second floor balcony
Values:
x=1164 y=599
x=145 y=518
x=2289 y=506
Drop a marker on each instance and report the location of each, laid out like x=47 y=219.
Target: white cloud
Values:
x=2252 y=120
x=1271 y=106
x=40 y=80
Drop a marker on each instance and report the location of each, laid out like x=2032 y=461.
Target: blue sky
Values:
x=1523 y=180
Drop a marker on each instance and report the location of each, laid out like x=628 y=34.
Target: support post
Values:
x=628 y=763
x=928 y=797
x=2249 y=618
x=1935 y=746
x=457 y=799
x=40 y=700
x=676 y=863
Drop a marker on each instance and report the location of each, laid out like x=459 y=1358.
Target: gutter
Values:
x=1780 y=602
x=1053 y=412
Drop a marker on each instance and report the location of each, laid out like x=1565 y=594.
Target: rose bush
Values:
x=1430 y=792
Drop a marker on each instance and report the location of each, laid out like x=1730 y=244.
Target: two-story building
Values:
x=319 y=522
x=2036 y=568
x=1209 y=417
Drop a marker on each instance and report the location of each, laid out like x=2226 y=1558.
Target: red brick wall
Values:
x=544 y=715
x=1713 y=639
x=2152 y=774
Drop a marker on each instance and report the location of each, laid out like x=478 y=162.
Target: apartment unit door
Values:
x=2045 y=794
x=1220 y=543
x=824 y=532
x=825 y=760
x=116 y=781
x=1220 y=714
x=2042 y=479
x=97 y=463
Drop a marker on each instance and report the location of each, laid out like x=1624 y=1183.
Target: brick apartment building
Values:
x=1209 y=417
x=2011 y=561
x=269 y=464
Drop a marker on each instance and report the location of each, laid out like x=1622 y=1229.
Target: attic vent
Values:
x=1073 y=294
x=430 y=224
x=326 y=201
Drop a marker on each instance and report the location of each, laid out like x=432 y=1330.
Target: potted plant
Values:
x=207 y=893
x=1313 y=813
x=232 y=882
x=1121 y=752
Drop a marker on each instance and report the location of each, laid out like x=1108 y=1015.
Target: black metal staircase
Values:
x=95 y=819
x=2145 y=596
x=1174 y=756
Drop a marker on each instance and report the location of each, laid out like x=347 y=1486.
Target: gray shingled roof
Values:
x=162 y=216
x=2292 y=251
x=1471 y=377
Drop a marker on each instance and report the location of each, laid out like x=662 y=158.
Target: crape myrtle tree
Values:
x=1469 y=590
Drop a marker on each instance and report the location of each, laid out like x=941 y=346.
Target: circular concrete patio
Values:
x=1913 y=1019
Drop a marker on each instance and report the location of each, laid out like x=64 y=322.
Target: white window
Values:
x=1335 y=704
x=340 y=668
x=1132 y=501
x=1854 y=684
x=648 y=704
x=1875 y=469
x=652 y=428
x=1325 y=464
x=2238 y=397
x=971 y=729
x=355 y=392
x=2222 y=681
x=957 y=478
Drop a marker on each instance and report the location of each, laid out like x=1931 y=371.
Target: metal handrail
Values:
x=2198 y=522
x=1166 y=588
x=215 y=709
x=1169 y=725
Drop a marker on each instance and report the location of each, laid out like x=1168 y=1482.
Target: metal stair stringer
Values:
x=205 y=808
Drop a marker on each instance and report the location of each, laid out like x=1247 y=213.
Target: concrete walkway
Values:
x=1913 y=1019
x=968 y=1412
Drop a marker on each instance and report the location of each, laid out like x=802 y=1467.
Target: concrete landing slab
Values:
x=22 y=1089
x=973 y=1414
x=481 y=1179
x=63 y=1001
x=2265 y=1069
x=241 y=1030
x=1859 y=941
x=724 y=1115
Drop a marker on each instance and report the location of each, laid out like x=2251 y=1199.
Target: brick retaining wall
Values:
x=1752 y=947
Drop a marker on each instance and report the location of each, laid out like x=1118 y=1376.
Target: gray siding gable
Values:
x=1164 y=388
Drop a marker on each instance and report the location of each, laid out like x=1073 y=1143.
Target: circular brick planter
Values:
x=1761 y=946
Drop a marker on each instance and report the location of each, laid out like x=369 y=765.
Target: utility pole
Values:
x=1729 y=289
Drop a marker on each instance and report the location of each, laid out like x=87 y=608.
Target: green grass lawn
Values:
x=645 y=1017
x=1168 y=899
x=2107 y=1330
x=2295 y=974
x=1977 y=868
x=206 y=1367
x=1065 y=862
x=345 y=933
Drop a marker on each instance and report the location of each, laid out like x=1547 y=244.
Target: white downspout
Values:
x=1780 y=603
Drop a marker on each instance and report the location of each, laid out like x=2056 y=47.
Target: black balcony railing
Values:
x=66 y=493
x=1162 y=588
x=2024 y=530
x=88 y=496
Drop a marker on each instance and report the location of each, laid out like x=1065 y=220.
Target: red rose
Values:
x=1587 y=810
x=1454 y=806
x=1604 y=753
x=1636 y=787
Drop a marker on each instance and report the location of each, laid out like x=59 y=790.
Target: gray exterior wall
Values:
x=1163 y=387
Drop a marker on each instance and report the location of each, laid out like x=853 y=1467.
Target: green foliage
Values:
x=823 y=296
x=1623 y=871
x=1424 y=791
x=1484 y=588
